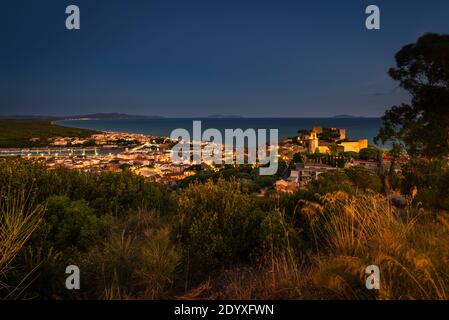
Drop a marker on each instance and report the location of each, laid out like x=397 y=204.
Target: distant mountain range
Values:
x=223 y=116
x=84 y=116
x=214 y=116
x=26 y=117
x=346 y=116
x=112 y=116
x=131 y=116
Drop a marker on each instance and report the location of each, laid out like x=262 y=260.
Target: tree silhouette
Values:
x=422 y=126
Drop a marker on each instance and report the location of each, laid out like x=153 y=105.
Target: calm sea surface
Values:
x=356 y=128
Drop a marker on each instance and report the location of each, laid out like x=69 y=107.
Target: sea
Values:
x=356 y=128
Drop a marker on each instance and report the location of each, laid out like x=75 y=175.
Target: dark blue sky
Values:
x=195 y=58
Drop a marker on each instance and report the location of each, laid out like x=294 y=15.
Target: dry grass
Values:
x=19 y=218
x=137 y=261
x=356 y=231
x=351 y=233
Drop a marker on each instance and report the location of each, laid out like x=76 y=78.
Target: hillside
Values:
x=16 y=133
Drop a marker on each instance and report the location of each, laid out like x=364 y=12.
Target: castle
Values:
x=321 y=140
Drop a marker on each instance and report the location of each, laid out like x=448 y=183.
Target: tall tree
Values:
x=422 y=127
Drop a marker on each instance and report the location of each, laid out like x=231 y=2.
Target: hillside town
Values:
x=307 y=155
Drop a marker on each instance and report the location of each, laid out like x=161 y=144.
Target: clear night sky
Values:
x=195 y=58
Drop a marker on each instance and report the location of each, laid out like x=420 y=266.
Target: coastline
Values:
x=357 y=128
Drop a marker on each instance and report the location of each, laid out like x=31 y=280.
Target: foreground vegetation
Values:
x=134 y=239
x=16 y=133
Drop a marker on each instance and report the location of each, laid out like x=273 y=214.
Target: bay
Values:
x=356 y=128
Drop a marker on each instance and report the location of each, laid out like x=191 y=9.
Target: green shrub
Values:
x=106 y=193
x=369 y=153
x=72 y=224
x=331 y=181
x=137 y=261
x=278 y=233
x=430 y=178
x=219 y=224
x=364 y=178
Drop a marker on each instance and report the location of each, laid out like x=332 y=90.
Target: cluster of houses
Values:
x=323 y=141
x=155 y=165
x=85 y=163
x=304 y=173
x=104 y=139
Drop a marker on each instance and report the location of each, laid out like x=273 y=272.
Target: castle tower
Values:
x=313 y=142
x=342 y=134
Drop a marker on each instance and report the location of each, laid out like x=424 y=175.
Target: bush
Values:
x=430 y=178
x=364 y=178
x=297 y=158
x=331 y=181
x=137 y=261
x=72 y=224
x=369 y=153
x=219 y=224
x=106 y=193
x=279 y=235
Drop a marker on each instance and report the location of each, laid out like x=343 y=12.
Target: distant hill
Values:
x=84 y=116
x=112 y=116
x=26 y=117
x=223 y=116
x=17 y=133
x=346 y=116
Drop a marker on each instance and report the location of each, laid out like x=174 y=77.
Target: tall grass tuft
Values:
x=138 y=260
x=19 y=218
x=355 y=231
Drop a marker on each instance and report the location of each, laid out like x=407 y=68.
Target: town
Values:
x=306 y=156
